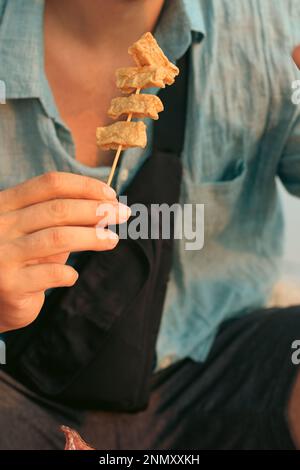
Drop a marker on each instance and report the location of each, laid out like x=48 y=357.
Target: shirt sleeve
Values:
x=289 y=165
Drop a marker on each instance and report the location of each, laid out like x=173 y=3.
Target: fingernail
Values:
x=104 y=234
x=109 y=192
x=112 y=235
x=123 y=211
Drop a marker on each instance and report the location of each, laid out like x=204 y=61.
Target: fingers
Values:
x=58 y=259
x=54 y=185
x=63 y=212
x=296 y=56
x=22 y=311
x=40 y=277
x=53 y=241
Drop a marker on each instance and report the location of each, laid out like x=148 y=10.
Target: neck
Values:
x=98 y=22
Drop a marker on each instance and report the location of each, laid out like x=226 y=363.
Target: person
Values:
x=224 y=376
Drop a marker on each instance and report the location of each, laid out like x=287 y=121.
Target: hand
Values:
x=41 y=221
x=296 y=56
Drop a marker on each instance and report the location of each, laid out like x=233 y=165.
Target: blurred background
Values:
x=287 y=291
x=292 y=243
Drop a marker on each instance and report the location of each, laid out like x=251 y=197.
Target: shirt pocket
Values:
x=220 y=198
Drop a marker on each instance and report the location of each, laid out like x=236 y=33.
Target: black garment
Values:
x=237 y=399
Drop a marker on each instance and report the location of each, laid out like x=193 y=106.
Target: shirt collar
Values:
x=21 y=57
x=21 y=44
x=194 y=13
x=180 y=25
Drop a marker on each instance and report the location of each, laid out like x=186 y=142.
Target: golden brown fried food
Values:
x=146 y=51
x=127 y=134
x=140 y=106
x=131 y=78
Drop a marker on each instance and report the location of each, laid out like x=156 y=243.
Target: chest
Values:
x=83 y=103
x=83 y=84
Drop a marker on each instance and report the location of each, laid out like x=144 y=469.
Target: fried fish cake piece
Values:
x=128 y=79
x=146 y=51
x=127 y=134
x=140 y=106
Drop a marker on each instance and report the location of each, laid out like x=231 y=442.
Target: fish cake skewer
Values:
x=153 y=70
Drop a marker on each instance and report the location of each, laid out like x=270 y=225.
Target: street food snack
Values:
x=140 y=106
x=126 y=134
x=146 y=51
x=153 y=70
x=129 y=79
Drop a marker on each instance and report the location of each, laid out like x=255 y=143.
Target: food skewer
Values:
x=153 y=70
x=119 y=151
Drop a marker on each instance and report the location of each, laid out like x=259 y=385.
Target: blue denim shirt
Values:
x=242 y=132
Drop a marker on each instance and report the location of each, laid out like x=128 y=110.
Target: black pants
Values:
x=237 y=399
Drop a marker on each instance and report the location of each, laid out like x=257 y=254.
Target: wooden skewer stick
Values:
x=118 y=152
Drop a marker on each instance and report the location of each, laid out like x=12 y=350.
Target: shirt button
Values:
x=124 y=174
